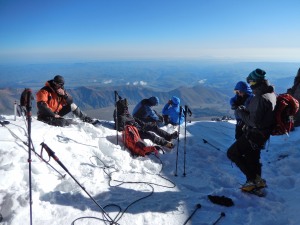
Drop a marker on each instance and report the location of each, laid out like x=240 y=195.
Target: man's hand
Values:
x=60 y=92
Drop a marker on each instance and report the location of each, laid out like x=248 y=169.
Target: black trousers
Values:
x=60 y=122
x=154 y=133
x=245 y=157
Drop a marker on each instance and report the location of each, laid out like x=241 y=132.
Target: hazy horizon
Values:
x=79 y=31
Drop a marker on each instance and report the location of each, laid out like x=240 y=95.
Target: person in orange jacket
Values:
x=53 y=102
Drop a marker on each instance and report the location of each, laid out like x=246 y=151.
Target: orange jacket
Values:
x=50 y=98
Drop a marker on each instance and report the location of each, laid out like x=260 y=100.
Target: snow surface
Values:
x=93 y=158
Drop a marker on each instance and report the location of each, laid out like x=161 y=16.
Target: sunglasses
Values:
x=59 y=85
x=251 y=82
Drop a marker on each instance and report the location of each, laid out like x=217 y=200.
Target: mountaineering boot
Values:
x=169 y=145
x=77 y=112
x=260 y=182
x=174 y=135
x=248 y=186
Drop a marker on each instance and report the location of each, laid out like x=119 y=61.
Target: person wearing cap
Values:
x=259 y=119
x=144 y=112
x=243 y=95
x=53 y=102
x=295 y=92
x=171 y=112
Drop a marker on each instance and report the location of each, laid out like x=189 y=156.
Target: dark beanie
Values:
x=59 y=80
x=153 y=100
x=256 y=75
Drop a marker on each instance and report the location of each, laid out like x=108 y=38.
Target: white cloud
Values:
x=107 y=81
x=202 y=81
x=143 y=83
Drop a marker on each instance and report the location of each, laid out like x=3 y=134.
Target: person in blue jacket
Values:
x=171 y=112
x=243 y=95
x=144 y=112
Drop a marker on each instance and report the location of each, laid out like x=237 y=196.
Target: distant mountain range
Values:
x=203 y=101
x=205 y=86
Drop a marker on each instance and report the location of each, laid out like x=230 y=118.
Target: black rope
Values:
x=64 y=139
x=30 y=145
x=121 y=182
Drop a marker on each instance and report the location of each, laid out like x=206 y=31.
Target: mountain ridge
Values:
x=95 y=98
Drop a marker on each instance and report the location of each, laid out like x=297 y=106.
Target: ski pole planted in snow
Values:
x=116 y=116
x=220 y=217
x=26 y=99
x=51 y=153
x=198 y=206
x=187 y=111
x=15 y=111
x=180 y=113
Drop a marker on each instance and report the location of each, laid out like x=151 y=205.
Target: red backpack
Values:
x=134 y=143
x=286 y=108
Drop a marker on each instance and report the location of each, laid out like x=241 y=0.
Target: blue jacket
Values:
x=144 y=112
x=237 y=100
x=172 y=110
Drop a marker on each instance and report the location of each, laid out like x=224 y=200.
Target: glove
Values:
x=240 y=123
x=241 y=108
x=221 y=200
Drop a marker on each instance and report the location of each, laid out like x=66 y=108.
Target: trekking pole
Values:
x=15 y=111
x=180 y=111
x=198 y=206
x=184 y=146
x=28 y=116
x=206 y=142
x=51 y=153
x=186 y=112
x=220 y=217
x=116 y=116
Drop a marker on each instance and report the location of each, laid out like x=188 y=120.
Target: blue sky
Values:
x=91 y=30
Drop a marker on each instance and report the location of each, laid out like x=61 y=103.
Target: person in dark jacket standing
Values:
x=53 y=102
x=243 y=95
x=259 y=119
x=144 y=112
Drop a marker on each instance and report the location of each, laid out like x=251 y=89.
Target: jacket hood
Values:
x=153 y=100
x=175 y=100
x=243 y=87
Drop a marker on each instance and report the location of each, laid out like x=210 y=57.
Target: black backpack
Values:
x=122 y=116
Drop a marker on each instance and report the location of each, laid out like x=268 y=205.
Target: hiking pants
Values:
x=155 y=134
x=245 y=157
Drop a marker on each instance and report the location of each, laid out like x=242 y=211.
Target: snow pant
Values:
x=246 y=158
x=62 y=122
x=154 y=133
x=239 y=128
